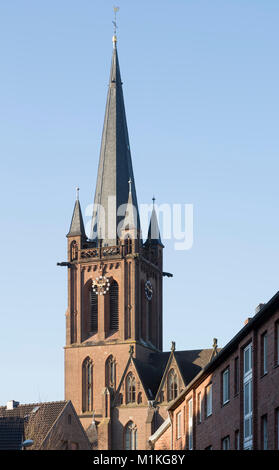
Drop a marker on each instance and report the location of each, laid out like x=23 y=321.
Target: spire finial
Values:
x=114 y=38
x=77 y=193
x=153 y=199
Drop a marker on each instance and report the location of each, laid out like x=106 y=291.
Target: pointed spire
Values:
x=154 y=236
x=130 y=219
x=115 y=163
x=77 y=226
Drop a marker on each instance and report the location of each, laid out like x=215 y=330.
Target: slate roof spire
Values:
x=115 y=164
x=154 y=236
x=77 y=225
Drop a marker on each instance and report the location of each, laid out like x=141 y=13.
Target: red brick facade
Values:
x=224 y=421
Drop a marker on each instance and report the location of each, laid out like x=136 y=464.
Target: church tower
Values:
x=114 y=279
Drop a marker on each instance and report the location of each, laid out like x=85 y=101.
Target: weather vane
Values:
x=115 y=9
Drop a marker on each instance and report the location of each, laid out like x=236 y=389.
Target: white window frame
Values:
x=199 y=407
x=248 y=397
x=208 y=401
x=226 y=385
x=264 y=353
x=226 y=443
x=237 y=440
x=190 y=424
x=264 y=433
x=178 y=425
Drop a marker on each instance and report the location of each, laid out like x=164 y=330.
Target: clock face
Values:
x=100 y=285
x=148 y=290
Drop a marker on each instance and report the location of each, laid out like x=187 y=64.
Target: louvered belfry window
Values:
x=93 y=319
x=114 y=306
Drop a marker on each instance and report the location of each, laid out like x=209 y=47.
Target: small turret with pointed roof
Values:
x=154 y=237
x=77 y=225
x=130 y=220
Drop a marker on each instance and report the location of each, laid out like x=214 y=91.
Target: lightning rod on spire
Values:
x=114 y=38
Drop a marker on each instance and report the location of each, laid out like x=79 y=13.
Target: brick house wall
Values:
x=227 y=419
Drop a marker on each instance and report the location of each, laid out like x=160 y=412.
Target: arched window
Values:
x=87 y=385
x=172 y=385
x=130 y=388
x=93 y=311
x=74 y=251
x=128 y=245
x=139 y=398
x=110 y=372
x=130 y=436
x=114 y=306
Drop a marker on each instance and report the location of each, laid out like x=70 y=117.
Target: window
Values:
x=130 y=388
x=208 y=400
x=237 y=440
x=277 y=428
x=199 y=408
x=178 y=425
x=247 y=398
x=276 y=349
x=110 y=372
x=93 y=320
x=130 y=436
x=226 y=443
x=73 y=446
x=87 y=382
x=190 y=424
x=264 y=354
x=264 y=432
x=114 y=306
x=74 y=251
x=236 y=376
x=128 y=245
x=172 y=384
x=226 y=386
x=248 y=359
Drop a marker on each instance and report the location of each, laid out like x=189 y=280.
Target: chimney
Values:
x=258 y=308
x=247 y=320
x=12 y=404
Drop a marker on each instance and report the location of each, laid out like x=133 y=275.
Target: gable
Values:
x=172 y=367
x=142 y=394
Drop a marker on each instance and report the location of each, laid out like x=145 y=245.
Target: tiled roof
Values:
x=189 y=362
x=11 y=433
x=38 y=418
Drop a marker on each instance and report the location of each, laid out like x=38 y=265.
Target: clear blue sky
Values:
x=200 y=83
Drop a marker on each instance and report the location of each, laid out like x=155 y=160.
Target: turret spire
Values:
x=77 y=226
x=154 y=236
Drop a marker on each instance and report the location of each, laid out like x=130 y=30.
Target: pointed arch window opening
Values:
x=114 y=306
x=87 y=373
x=74 y=251
x=131 y=436
x=93 y=318
x=128 y=245
x=110 y=372
x=130 y=388
x=172 y=385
